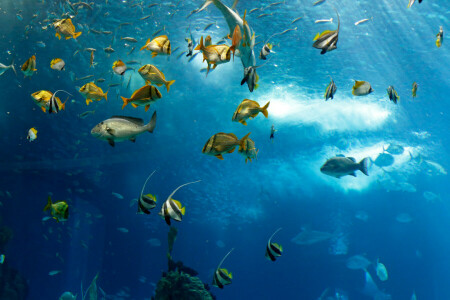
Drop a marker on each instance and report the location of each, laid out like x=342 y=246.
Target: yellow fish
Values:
x=222 y=143
x=119 y=67
x=65 y=27
x=361 y=88
x=92 y=92
x=144 y=96
x=42 y=99
x=214 y=54
x=152 y=75
x=250 y=151
x=159 y=45
x=32 y=134
x=440 y=37
x=29 y=67
x=57 y=64
x=249 y=109
x=59 y=210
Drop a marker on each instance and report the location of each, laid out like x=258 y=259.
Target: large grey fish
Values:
x=331 y=90
x=340 y=166
x=120 y=128
x=384 y=160
x=310 y=237
x=394 y=149
x=327 y=40
x=357 y=262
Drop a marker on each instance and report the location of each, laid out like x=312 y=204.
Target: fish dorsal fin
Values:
x=233 y=7
x=339 y=20
x=225 y=257
x=358 y=83
x=340 y=155
x=177 y=203
x=136 y=121
x=233 y=135
x=173 y=193
x=145 y=183
x=352 y=159
x=274 y=234
x=326 y=32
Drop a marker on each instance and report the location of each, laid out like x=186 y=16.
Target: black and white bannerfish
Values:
x=392 y=93
x=273 y=250
x=327 y=40
x=53 y=106
x=190 y=46
x=148 y=201
x=267 y=48
x=172 y=209
x=331 y=90
x=265 y=51
x=251 y=77
x=221 y=276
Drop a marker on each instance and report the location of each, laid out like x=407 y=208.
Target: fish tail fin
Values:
x=264 y=110
x=242 y=145
x=200 y=46
x=125 y=101
x=143 y=47
x=183 y=211
x=233 y=7
x=106 y=95
x=13 y=68
x=76 y=34
x=151 y=125
x=49 y=204
x=233 y=49
x=63 y=105
x=364 y=166
x=168 y=84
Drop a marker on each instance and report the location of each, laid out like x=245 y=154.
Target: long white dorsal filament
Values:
x=142 y=191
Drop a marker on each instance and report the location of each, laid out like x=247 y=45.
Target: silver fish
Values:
x=120 y=128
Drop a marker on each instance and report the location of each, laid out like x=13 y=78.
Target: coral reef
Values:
x=12 y=285
x=181 y=286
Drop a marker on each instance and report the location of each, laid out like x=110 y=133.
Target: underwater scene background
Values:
x=337 y=233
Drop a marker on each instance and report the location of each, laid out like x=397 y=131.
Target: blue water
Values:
x=236 y=205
